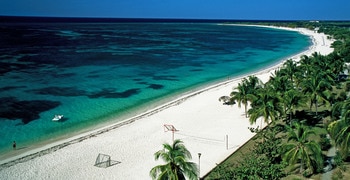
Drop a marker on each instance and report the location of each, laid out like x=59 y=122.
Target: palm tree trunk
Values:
x=301 y=166
x=316 y=104
x=311 y=103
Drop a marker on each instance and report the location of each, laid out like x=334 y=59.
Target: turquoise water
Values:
x=96 y=74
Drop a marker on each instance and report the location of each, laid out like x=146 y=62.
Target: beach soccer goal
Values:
x=103 y=160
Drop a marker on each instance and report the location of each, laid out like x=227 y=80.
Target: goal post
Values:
x=103 y=160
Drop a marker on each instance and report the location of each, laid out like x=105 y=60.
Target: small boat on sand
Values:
x=57 y=117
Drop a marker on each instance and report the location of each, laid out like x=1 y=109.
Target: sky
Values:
x=182 y=9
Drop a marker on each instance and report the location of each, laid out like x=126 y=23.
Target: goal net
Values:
x=103 y=160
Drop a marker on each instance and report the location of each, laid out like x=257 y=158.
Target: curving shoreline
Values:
x=200 y=116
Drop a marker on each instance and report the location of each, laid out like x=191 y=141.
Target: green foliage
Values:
x=312 y=79
x=266 y=104
x=340 y=129
x=342 y=96
x=338 y=174
x=245 y=91
x=264 y=162
x=258 y=167
x=316 y=84
x=325 y=142
x=301 y=151
x=222 y=172
x=338 y=160
x=270 y=145
x=177 y=164
x=347 y=86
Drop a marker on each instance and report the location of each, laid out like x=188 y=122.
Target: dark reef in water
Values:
x=156 y=86
x=111 y=93
x=73 y=91
x=27 y=111
x=59 y=91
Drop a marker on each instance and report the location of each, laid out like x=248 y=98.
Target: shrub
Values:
x=325 y=142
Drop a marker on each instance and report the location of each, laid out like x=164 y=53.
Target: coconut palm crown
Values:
x=177 y=165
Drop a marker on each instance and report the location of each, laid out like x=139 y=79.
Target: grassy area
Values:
x=236 y=157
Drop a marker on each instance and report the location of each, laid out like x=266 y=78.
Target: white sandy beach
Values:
x=201 y=120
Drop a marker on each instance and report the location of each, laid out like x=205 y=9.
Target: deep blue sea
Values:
x=100 y=73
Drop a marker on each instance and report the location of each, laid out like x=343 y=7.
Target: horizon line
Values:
x=6 y=18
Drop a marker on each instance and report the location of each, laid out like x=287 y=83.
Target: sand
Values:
x=204 y=124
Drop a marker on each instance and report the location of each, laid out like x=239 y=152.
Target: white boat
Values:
x=57 y=117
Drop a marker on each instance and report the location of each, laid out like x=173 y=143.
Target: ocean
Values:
x=99 y=73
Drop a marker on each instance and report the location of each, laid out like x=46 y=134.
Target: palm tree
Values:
x=241 y=96
x=340 y=132
x=300 y=150
x=340 y=129
x=335 y=63
x=177 y=165
x=280 y=82
x=317 y=87
x=265 y=105
x=292 y=99
x=319 y=61
x=289 y=69
x=306 y=66
x=254 y=83
x=245 y=91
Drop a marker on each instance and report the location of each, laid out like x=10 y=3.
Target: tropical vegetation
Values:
x=177 y=165
x=301 y=151
x=307 y=107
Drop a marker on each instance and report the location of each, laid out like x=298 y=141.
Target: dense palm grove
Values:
x=307 y=106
